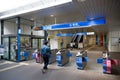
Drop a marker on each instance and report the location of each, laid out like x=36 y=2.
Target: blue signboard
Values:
x=58 y=58
x=19 y=31
x=62 y=35
x=75 y=25
x=78 y=59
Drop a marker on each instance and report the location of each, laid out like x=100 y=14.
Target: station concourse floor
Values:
x=29 y=70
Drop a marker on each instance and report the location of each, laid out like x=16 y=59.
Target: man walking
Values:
x=45 y=53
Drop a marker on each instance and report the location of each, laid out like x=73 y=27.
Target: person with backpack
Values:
x=45 y=53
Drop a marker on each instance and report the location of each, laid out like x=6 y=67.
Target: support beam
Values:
x=45 y=35
x=18 y=38
x=31 y=37
x=2 y=30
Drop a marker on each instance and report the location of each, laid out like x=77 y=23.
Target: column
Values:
x=2 y=30
x=18 y=38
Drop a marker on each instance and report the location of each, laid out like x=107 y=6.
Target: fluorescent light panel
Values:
x=90 y=33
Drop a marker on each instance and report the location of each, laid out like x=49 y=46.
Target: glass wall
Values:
x=39 y=43
x=6 y=47
x=25 y=42
x=34 y=43
x=10 y=44
x=13 y=50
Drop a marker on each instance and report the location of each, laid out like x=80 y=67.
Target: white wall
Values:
x=89 y=41
x=58 y=40
x=114 y=45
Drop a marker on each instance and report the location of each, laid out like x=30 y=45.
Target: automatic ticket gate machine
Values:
x=81 y=59
x=53 y=56
x=107 y=62
x=62 y=57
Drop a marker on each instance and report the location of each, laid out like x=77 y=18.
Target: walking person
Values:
x=45 y=53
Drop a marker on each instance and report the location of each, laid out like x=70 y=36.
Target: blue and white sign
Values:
x=81 y=33
x=58 y=58
x=19 y=31
x=62 y=35
x=75 y=25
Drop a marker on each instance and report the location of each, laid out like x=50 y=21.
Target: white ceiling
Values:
x=12 y=4
x=80 y=11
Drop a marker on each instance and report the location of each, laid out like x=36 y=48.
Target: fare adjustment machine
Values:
x=81 y=59
x=62 y=57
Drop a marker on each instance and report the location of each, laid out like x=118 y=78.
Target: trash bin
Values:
x=81 y=59
x=62 y=57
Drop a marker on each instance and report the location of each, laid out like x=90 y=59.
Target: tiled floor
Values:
x=32 y=71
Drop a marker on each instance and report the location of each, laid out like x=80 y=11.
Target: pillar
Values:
x=18 y=38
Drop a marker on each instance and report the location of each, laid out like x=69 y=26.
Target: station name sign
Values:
x=75 y=25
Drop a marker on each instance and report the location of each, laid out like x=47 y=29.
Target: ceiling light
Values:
x=32 y=19
x=51 y=15
x=90 y=33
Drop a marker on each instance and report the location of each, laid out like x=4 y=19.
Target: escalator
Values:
x=76 y=40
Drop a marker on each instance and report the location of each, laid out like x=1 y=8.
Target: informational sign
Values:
x=69 y=34
x=74 y=25
x=81 y=33
x=61 y=35
x=19 y=31
x=58 y=58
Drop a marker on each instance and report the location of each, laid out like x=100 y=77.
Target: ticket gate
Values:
x=81 y=59
x=62 y=57
x=53 y=56
x=107 y=62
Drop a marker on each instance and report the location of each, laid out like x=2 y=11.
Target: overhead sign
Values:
x=81 y=33
x=75 y=25
x=61 y=35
